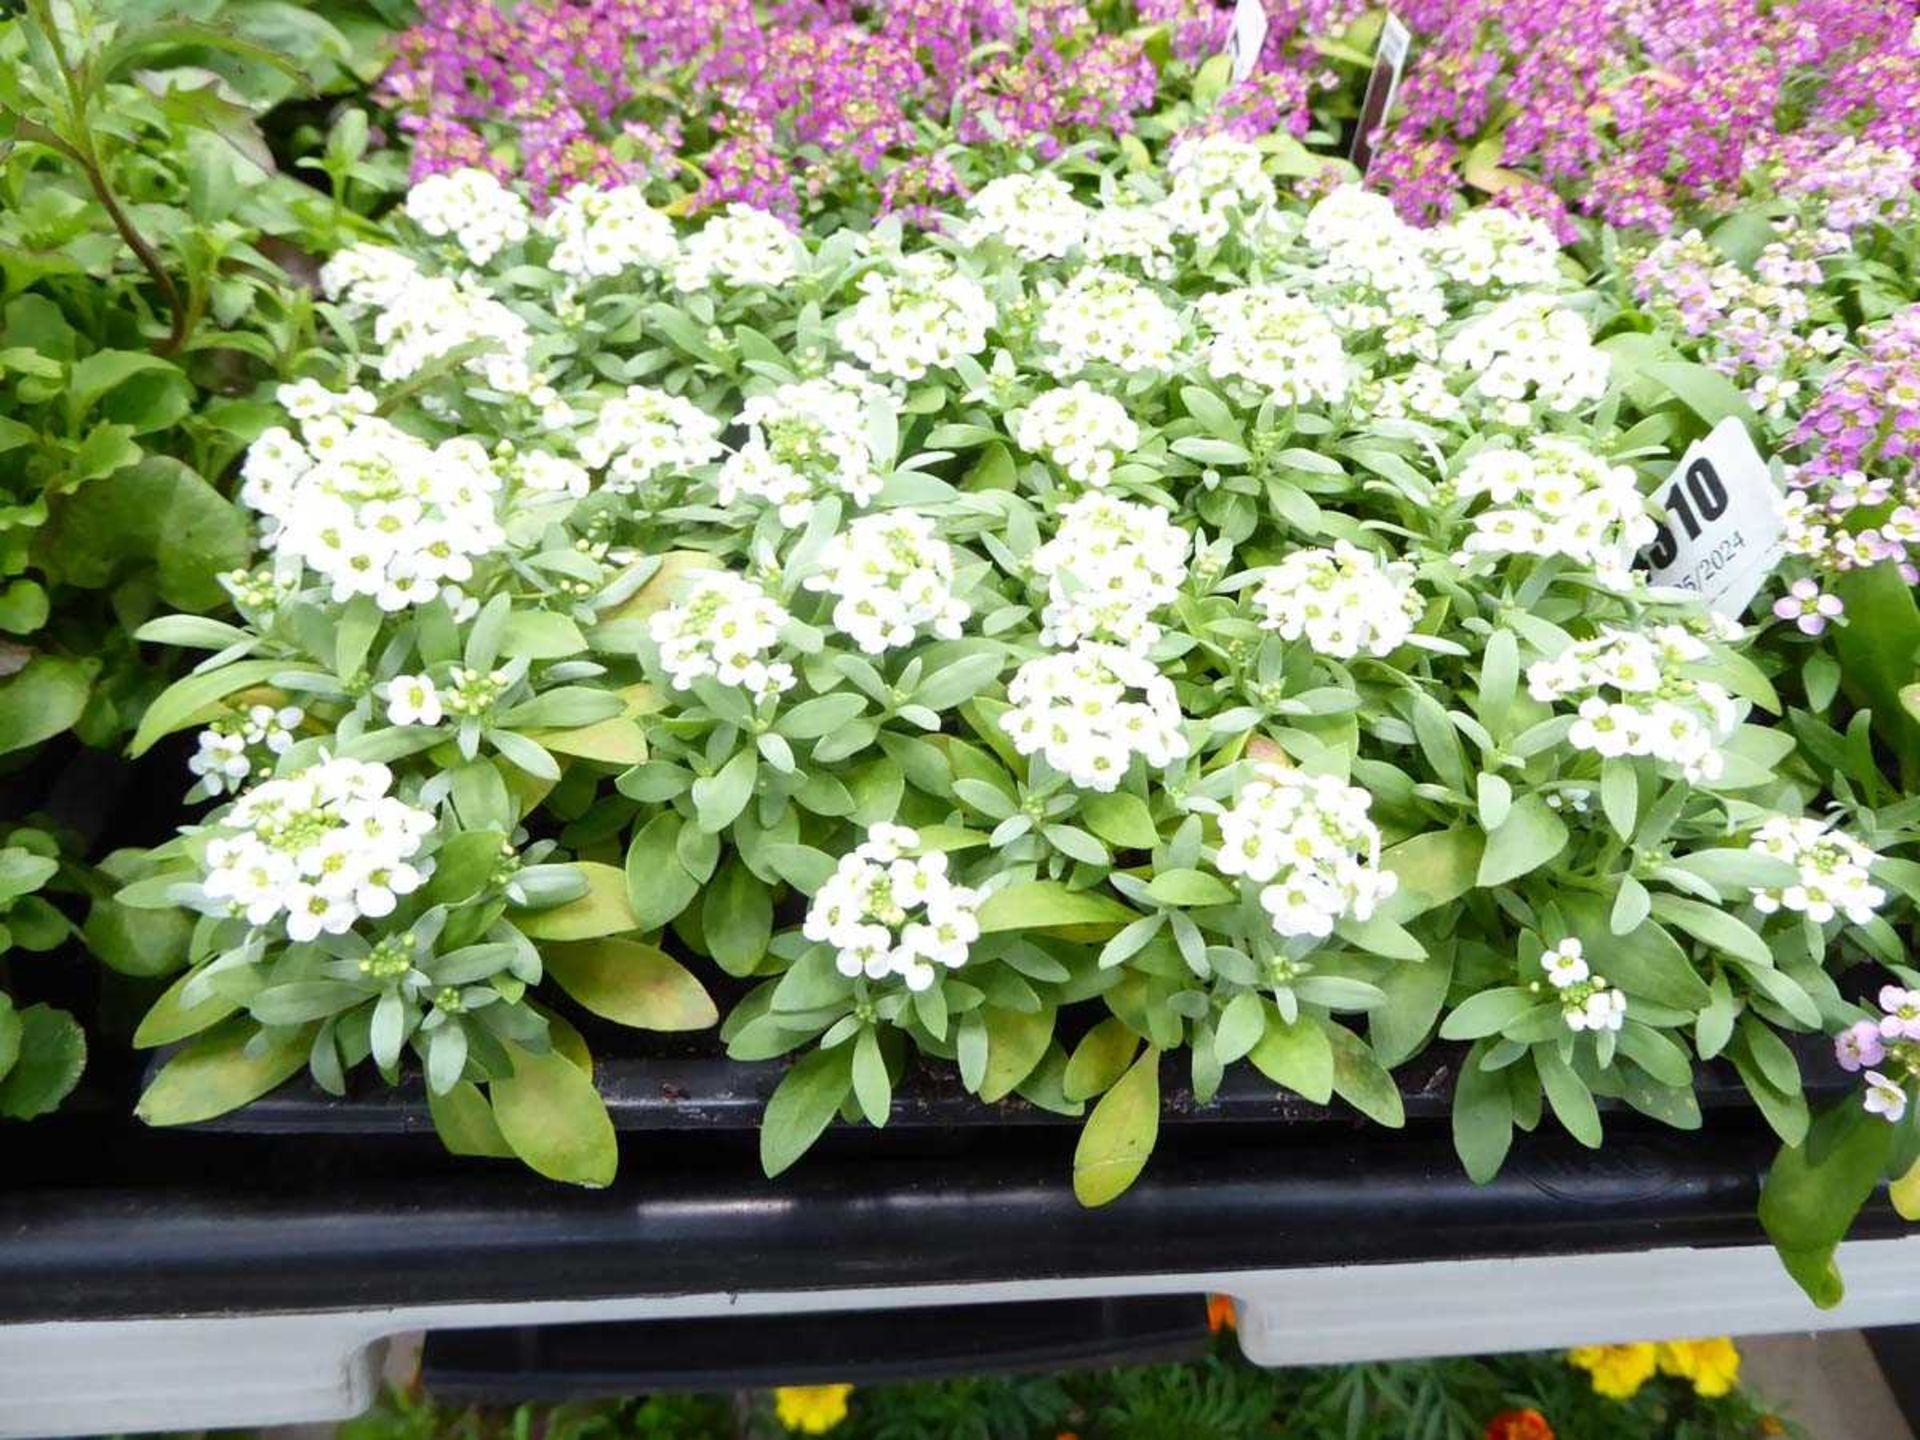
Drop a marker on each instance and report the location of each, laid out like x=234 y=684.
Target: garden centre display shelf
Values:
x=229 y=1277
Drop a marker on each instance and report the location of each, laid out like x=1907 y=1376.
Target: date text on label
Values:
x=1721 y=535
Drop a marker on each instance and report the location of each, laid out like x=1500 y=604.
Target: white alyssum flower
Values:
x=374 y=510
x=1491 y=247
x=1217 y=182
x=1078 y=429
x=1278 y=342
x=724 y=629
x=1079 y=710
x=1307 y=840
x=1527 y=350
x=430 y=316
x=473 y=209
x=740 y=246
x=646 y=435
x=231 y=749
x=599 y=233
x=1422 y=393
x=318 y=850
x=306 y=400
x=891 y=577
x=891 y=914
x=1587 y=1001
x=1036 y=216
x=1632 y=698
x=413 y=700
x=369 y=275
x=1373 y=268
x=1556 y=497
x=1141 y=234
x=805 y=439
x=1565 y=964
x=1343 y=601
x=918 y=313
x=1835 y=870
x=1110 y=567
x=1101 y=316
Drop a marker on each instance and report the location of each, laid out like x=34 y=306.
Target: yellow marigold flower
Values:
x=1712 y=1365
x=1618 y=1371
x=811 y=1409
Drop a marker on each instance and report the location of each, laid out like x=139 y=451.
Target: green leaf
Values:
x=1432 y=869
x=1049 y=905
x=1707 y=393
x=1877 y=648
x=631 y=983
x=1488 y=1013
x=1362 y=1081
x=52 y=1053
x=1242 y=1025
x=737 y=919
x=186 y=701
x=1645 y=962
x=138 y=942
x=872 y=1086
x=1121 y=819
x=1415 y=993
x=169 y=1019
x=540 y=635
x=1482 y=1117
x=216 y=1073
x=658 y=885
x=1015 y=1044
x=1100 y=1059
x=1715 y=928
x=553 y=1118
x=1189 y=887
x=1568 y=1094
x=603 y=910
x=464 y=1121
x=1815 y=1189
x=1297 y=1056
x=808 y=1097
x=718 y=799
x=10 y=1028
x=158 y=513
x=45 y=698
x=1620 y=795
x=1119 y=1134
x=1530 y=836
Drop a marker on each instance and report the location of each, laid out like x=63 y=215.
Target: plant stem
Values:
x=177 y=310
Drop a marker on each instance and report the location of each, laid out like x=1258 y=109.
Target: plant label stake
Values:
x=1383 y=86
x=1246 y=36
x=1721 y=535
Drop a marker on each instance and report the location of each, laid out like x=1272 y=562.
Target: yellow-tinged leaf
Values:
x=662 y=586
x=603 y=910
x=1100 y=1059
x=1119 y=1134
x=1905 y=1193
x=215 y=1074
x=1015 y=1044
x=631 y=983
x=465 y=1123
x=168 y=1020
x=616 y=741
x=553 y=1118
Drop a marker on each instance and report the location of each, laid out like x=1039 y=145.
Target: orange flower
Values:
x=1519 y=1425
x=1220 y=1313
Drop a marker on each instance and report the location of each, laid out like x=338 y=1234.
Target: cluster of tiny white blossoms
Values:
x=1556 y=497
x=645 y=435
x=1277 y=341
x=1139 y=233
x=1103 y=317
x=724 y=629
x=1078 y=429
x=1422 y=393
x=917 y=314
x=888 y=913
x=229 y=750
x=1633 y=700
x=319 y=850
x=1373 y=264
x=1493 y=246
x=1034 y=215
x=543 y=473
x=740 y=246
x=1076 y=709
x=473 y=209
x=599 y=233
x=892 y=577
x=1528 y=349
x=374 y=510
x=1110 y=567
x=1587 y=1002
x=1217 y=180
x=806 y=439
x=1344 y=601
x=1307 y=841
x=1835 y=870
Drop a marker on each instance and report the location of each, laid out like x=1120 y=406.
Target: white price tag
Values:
x=1383 y=86
x=1721 y=537
x=1246 y=37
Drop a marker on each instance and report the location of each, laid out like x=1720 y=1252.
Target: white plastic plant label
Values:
x=1246 y=37
x=1721 y=537
x=1383 y=86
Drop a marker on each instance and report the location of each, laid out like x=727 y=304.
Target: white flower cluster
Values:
x=892 y=577
x=888 y=913
x=806 y=439
x=740 y=246
x=1101 y=316
x=1307 y=840
x=228 y=751
x=599 y=233
x=1109 y=568
x=374 y=510
x=1216 y=180
x=1492 y=246
x=1587 y=1002
x=1075 y=709
x=473 y=209
x=1632 y=700
x=1343 y=601
x=1422 y=393
x=917 y=314
x=1529 y=348
x=1834 y=868
x=543 y=473
x=1034 y=215
x=1374 y=262
x=320 y=849
x=1556 y=497
x=1278 y=342
x=647 y=435
x=724 y=629
x=1079 y=429
x=1139 y=233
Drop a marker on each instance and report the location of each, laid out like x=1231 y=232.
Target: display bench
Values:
x=167 y=1280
